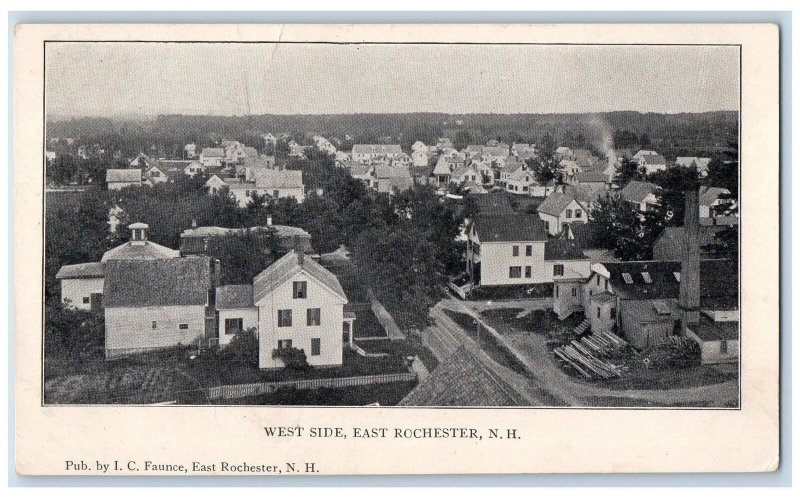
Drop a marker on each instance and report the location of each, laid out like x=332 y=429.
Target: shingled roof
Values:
x=140 y=250
x=273 y=178
x=462 y=380
x=376 y=149
x=81 y=270
x=123 y=175
x=510 y=228
x=563 y=250
x=637 y=191
x=161 y=282
x=234 y=297
x=288 y=266
x=555 y=203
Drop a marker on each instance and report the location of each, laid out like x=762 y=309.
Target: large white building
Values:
x=300 y=305
x=515 y=250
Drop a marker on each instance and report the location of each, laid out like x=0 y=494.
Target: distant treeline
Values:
x=165 y=135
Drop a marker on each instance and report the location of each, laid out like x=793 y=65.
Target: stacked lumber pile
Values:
x=591 y=356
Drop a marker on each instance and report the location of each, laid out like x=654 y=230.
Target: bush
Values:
x=292 y=358
x=678 y=353
x=242 y=349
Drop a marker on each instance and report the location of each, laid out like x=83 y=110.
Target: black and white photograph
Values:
x=403 y=225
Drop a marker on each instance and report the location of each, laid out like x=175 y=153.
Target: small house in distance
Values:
x=117 y=179
x=643 y=195
x=272 y=182
x=82 y=285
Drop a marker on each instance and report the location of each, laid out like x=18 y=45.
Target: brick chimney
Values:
x=689 y=300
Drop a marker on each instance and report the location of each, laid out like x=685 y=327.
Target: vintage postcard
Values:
x=396 y=249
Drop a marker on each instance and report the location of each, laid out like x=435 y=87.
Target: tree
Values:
x=724 y=172
x=403 y=270
x=628 y=171
x=674 y=183
x=293 y=358
x=545 y=169
x=243 y=349
x=621 y=227
x=462 y=139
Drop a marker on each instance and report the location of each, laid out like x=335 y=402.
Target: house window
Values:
x=598 y=280
x=154 y=325
x=284 y=343
x=723 y=346
x=316 y=346
x=233 y=326
x=515 y=272
x=528 y=272
x=569 y=213
x=574 y=292
x=284 y=318
x=86 y=300
x=558 y=270
x=578 y=213
x=529 y=250
x=247 y=193
x=556 y=291
x=598 y=312
x=299 y=290
x=313 y=317
x=612 y=313
x=547 y=225
x=515 y=251
x=183 y=326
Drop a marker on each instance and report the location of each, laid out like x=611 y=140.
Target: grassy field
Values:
x=165 y=376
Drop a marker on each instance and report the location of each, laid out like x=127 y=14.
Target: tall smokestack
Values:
x=689 y=300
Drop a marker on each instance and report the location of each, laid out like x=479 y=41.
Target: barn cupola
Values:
x=138 y=233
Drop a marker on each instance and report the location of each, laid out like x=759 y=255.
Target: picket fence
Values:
x=243 y=390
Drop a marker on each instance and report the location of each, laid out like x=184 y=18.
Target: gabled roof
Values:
x=654 y=159
x=671 y=239
x=563 y=250
x=496 y=151
x=376 y=149
x=213 y=152
x=442 y=166
x=510 y=228
x=591 y=177
x=234 y=297
x=636 y=191
x=162 y=282
x=386 y=171
x=81 y=270
x=497 y=203
x=358 y=169
x=462 y=170
x=662 y=275
x=273 y=178
x=555 y=203
x=462 y=380
x=287 y=267
x=123 y=175
x=710 y=194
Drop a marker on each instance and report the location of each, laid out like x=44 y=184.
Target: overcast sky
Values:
x=146 y=79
